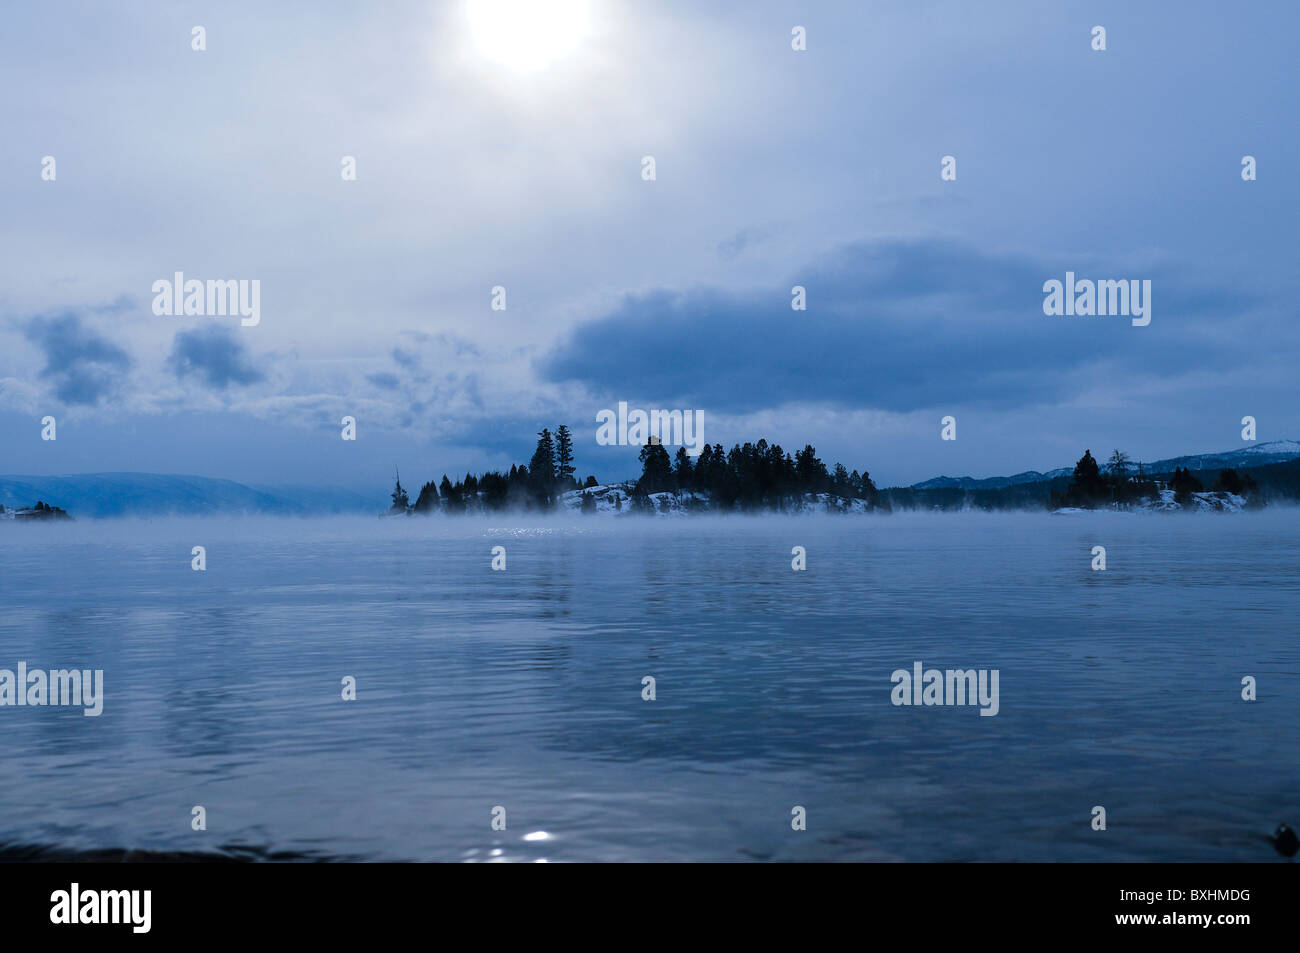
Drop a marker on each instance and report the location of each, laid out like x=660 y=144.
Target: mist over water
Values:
x=522 y=688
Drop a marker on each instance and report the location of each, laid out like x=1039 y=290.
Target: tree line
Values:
x=1127 y=482
x=536 y=485
x=752 y=476
x=763 y=476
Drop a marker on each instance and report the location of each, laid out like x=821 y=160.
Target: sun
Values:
x=527 y=35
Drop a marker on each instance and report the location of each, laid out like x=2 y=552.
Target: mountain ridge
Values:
x=126 y=493
x=1273 y=451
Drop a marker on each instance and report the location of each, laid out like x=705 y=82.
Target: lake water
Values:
x=523 y=689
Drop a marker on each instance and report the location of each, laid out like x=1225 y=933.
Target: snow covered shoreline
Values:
x=616 y=499
x=1216 y=501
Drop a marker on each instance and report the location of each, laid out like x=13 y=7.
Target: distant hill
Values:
x=1275 y=451
x=155 y=494
x=1275 y=468
x=990 y=483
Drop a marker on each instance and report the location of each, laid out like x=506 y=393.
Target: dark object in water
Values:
x=41 y=511
x=1285 y=841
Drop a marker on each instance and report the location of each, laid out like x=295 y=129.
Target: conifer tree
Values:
x=450 y=498
x=656 y=469
x=427 y=501
x=1087 y=486
x=683 y=469
x=564 y=459
x=811 y=471
x=840 y=481
x=541 y=470
x=400 y=500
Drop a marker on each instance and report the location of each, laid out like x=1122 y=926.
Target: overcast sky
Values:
x=773 y=168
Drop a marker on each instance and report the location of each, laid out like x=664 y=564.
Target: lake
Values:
x=522 y=689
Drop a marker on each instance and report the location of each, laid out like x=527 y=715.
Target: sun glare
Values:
x=527 y=35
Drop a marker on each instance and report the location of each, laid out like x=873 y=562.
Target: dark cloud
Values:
x=215 y=355
x=892 y=325
x=83 y=365
x=384 y=379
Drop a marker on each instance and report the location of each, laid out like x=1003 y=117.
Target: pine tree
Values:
x=811 y=471
x=564 y=458
x=1184 y=484
x=868 y=489
x=1228 y=482
x=840 y=481
x=427 y=501
x=541 y=470
x=656 y=469
x=401 y=502
x=703 y=466
x=683 y=469
x=519 y=491
x=1087 y=486
x=450 y=498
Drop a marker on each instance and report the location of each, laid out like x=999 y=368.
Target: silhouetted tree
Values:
x=1087 y=486
x=451 y=501
x=1229 y=482
x=703 y=464
x=564 y=459
x=840 y=481
x=1184 y=484
x=1119 y=463
x=866 y=489
x=751 y=476
x=541 y=470
x=656 y=469
x=810 y=470
x=428 y=500
x=683 y=469
x=400 y=500
x=520 y=493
